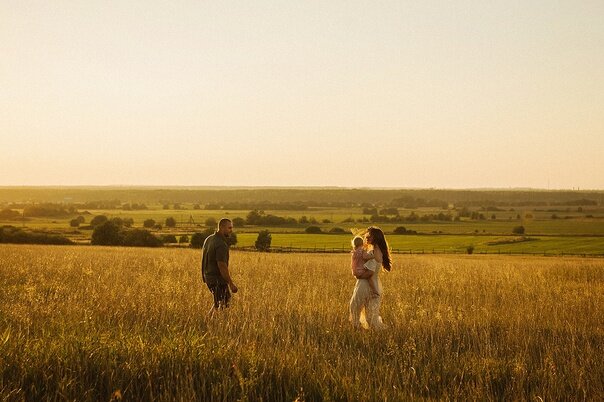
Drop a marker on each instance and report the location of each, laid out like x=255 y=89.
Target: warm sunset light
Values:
x=303 y=200
x=428 y=94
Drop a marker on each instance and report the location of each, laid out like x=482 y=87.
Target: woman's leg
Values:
x=355 y=309
x=373 y=312
x=358 y=304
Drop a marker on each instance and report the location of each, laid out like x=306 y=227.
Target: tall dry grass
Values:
x=86 y=323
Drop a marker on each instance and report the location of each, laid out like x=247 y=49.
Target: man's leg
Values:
x=221 y=295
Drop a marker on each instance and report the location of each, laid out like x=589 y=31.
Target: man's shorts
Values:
x=221 y=294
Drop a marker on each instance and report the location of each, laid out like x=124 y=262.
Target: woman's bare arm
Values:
x=377 y=254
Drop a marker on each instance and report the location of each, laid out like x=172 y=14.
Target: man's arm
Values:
x=203 y=276
x=224 y=272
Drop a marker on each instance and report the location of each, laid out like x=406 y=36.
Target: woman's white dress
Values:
x=364 y=306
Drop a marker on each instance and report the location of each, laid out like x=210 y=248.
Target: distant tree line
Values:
x=49 y=210
x=113 y=204
x=104 y=204
x=310 y=197
x=413 y=218
x=411 y=202
x=493 y=204
x=369 y=199
x=263 y=205
x=259 y=218
x=11 y=234
x=134 y=207
x=403 y=230
x=9 y=214
x=582 y=202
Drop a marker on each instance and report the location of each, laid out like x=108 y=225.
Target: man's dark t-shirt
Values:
x=215 y=248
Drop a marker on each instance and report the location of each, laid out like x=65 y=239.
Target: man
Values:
x=215 y=265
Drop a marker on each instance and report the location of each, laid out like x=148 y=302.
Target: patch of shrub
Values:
x=198 y=238
x=112 y=234
x=118 y=221
x=337 y=230
x=106 y=234
x=518 y=230
x=313 y=230
x=405 y=231
x=238 y=222
x=169 y=238
x=370 y=211
x=140 y=238
x=263 y=241
x=98 y=220
x=232 y=239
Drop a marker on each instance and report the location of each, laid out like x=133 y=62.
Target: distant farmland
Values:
x=442 y=221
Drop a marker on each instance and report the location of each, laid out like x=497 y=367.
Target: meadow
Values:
x=102 y=323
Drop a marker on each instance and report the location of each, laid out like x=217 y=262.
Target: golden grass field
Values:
x=93 y=323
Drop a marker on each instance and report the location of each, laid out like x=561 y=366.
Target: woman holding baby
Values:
x=368 y=258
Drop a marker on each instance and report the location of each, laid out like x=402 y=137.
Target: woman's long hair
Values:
x=378 y=239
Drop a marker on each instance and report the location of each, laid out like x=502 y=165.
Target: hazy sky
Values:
x=445 y=94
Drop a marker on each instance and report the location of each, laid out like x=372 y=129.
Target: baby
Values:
x=359 y=257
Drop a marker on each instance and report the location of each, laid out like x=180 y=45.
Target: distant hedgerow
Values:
x=11 y=234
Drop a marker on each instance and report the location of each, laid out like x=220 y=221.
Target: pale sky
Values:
x=445 y=94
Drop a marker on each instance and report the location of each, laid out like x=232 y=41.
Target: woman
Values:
x=362 y=297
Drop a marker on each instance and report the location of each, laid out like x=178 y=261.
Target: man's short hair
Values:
x=223 y=222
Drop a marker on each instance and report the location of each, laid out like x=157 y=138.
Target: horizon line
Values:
x=297 y=187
